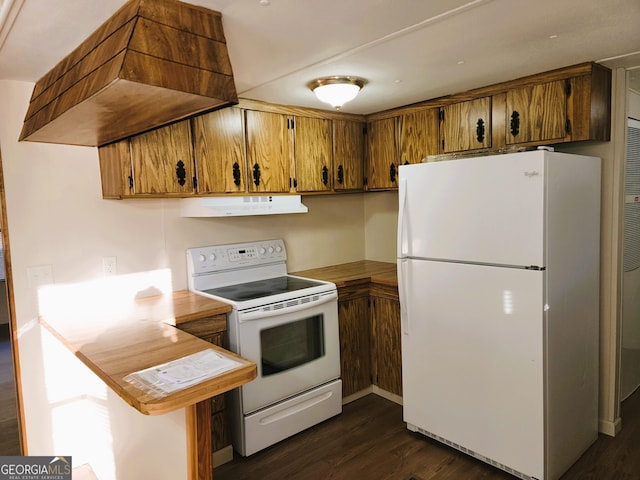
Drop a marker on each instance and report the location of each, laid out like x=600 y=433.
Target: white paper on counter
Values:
x=184 y=372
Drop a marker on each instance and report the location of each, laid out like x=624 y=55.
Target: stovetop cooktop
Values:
x=261 y=288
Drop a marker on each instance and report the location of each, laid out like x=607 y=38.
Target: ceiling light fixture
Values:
x=336 y=90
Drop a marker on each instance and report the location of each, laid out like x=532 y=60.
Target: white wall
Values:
x=56 y=217
x=381 y=218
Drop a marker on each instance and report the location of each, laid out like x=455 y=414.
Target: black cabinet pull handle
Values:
x=325 y=175
x=181 y=173
x=480 y=130
x=340 y=174
x=236 y=174
x=392 y=173
x=256 y=174
x=515 y=123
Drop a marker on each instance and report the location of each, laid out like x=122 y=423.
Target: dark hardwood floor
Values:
x=9 y=437
x=370 y=441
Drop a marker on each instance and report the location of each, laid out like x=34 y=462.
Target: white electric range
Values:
x=287 y=325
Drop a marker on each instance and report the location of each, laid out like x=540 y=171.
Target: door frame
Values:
x=13 y=333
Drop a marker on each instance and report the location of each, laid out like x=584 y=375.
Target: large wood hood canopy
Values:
x=152 y=63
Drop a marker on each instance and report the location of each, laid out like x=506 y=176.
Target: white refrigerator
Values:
x=498 y=271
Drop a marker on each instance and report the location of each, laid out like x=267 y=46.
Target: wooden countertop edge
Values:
x=359 y=273
x=149 y=405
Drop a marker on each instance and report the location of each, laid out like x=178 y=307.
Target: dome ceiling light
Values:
x=336 y=90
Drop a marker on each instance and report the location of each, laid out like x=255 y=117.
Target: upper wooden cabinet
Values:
x=156 y=163
x=418 y=135
x=260 y=148
x=382 y=153
x=313 y=150
x=537 y=112
x=162 y=161
x=348 y=155
x=220 y=151
x=465 y=125
x=268 y=154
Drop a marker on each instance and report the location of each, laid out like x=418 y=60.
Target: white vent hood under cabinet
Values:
x=241 y=206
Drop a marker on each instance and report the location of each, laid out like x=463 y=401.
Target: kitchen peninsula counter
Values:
x=125 y=347
x=147 y=338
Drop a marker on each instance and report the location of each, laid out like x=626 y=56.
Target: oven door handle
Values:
x=260 y=313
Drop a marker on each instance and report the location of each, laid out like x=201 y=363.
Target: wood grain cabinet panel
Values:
x=162 y=161
x=537 y=112
x=213 y=330
x=268 y=154
x=348 y=155
x=220 y=151
x=386 y=345
x=116 y=175
x=355 y=344
x=382 y=154
x=313 y=150
x=589 y=106
x=466 y=125
x=418 y=135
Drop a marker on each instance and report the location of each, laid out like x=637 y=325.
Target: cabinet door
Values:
x=386 y=346
x=418 y=135
x=313 y=154
x=220 y=151
x=348 y=155
x=382 y=143
x=466 y=125
x=268 y=151
x=115 y=169
x=537 y=113
x=162 y=161
x=355 y=345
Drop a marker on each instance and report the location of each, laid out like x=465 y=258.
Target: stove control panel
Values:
x=218 y=258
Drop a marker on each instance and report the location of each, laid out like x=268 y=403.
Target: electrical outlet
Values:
x=39 y=275
x=109 y=266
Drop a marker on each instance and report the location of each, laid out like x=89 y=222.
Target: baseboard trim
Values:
x=355 y=396
x=222 y=456
x=610 y=428
x=388 y=395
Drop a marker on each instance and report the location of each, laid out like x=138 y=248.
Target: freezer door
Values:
x=472 y=358
x=487 y=209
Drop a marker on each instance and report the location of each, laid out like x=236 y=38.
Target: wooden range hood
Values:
x=152 y=63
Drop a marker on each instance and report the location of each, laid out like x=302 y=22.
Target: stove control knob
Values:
x=202 y=258
x=279 y=249
x=212 y=257
x=270 y=249
x=262 y=251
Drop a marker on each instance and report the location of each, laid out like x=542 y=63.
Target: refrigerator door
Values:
x=486 y=209
x=472 y=359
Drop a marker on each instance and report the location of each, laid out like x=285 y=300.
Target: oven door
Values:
x=295 y=346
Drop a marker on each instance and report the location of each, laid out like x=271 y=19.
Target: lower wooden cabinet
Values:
x=213 y=330
x=386 y=348
x=355 y=340
x=370 y=350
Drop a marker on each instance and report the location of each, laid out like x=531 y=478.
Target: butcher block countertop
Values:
x=117 y=348
x=355 y=273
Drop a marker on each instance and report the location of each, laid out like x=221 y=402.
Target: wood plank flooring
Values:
x=9 y=436
x=369 y=441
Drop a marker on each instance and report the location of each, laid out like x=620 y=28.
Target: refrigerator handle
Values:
x=403 y=263
x=402 y=202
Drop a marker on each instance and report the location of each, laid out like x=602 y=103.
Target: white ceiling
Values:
x=408 y=50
